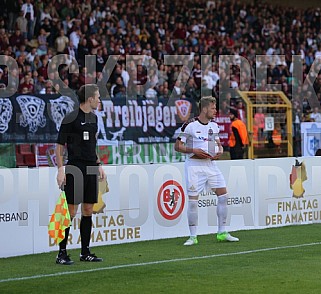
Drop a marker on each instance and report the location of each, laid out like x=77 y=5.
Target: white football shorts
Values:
x=201 y=173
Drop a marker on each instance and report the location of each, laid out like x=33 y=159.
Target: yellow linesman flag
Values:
x=60 y=219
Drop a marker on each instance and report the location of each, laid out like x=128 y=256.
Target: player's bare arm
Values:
x=102 y=174
x=220 y=150
x=61 y=176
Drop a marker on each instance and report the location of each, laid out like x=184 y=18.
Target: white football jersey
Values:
x=195 y=134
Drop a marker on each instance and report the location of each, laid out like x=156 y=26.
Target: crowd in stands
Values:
x=34 y=31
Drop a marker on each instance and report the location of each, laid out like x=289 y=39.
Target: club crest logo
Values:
x=184 y=108
x=313 y=139
x=59 y=108
x=171 y=200
x=32 y=115
x=297 y=177
x=6 y=111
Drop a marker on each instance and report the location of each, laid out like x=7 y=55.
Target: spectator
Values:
x=13 y=11
x=45 y=15
x=315 y=115
x=75 y=37
x=177 y=90
x=224 y=108
x=214 y=74
x=241 y=111
x=191 y=90
x=100 y=61
x=31 y=55
x=209 y=83
x=116 y=87
x=141 y=77
x=21 y=51
x=16 y=40
x=238 y=139
x=27 y=84
x=2 y=80
x=39 y=84
x=71 y=51
x=239 y=30
x=258 y=127
x=85 y=77
x=21 y=24
x=68 y=11
x=125 y=76
x=42 y=41
x=25 y=90
x=83 y=50
x=61 y=42
x=48 y=88
x=29 y=14
x=67 y=24
x=317 y=54
x=197 y=75
x=43 y=69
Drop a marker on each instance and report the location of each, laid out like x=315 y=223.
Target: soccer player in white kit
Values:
x=200 y=141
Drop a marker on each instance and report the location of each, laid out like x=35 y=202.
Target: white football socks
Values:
x=192 y=216
x=221 y=211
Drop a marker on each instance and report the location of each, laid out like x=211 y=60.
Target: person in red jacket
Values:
x=238 y=138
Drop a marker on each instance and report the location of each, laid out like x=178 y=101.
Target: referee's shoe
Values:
x=63 y=258
x=90 y=257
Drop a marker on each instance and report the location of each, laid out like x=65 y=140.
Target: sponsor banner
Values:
x=125 y=153
x=36 y=119
x=16 y=229
x=224 y=123
x=289 y=191
x=22 y=201
x=122 y=153
x=148 y=202
x=170 y=203
x=240 y=181
x=311 y=138
x=142 y=120
x=107 y=229
x=7 y=155
x=28 y=118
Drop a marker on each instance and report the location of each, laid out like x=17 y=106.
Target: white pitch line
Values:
x=155 y=262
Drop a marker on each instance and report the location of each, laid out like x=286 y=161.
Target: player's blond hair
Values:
x=206 y=101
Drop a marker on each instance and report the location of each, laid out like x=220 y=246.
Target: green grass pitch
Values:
x=278 y=260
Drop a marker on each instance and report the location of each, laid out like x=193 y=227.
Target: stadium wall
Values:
x=148 y=202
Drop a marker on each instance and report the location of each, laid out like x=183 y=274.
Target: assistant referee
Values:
x=78 y=132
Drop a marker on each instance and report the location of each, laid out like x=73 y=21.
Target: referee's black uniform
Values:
x=78 y=130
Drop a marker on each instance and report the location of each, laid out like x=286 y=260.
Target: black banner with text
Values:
x=37 y=118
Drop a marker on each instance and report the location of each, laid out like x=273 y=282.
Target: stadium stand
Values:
x=33 y=32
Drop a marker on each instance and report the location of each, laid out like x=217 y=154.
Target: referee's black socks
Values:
x=85 y=233
x=63 y=243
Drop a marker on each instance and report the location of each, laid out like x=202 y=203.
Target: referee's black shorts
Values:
x=81 y=182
